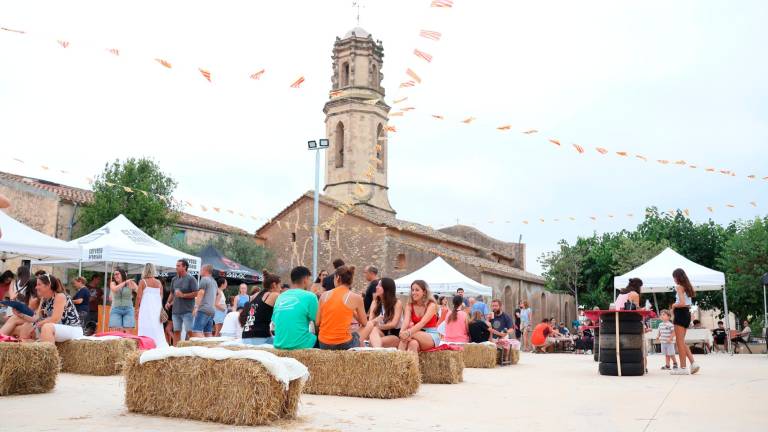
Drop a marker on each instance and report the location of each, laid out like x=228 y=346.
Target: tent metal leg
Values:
x=727 y=322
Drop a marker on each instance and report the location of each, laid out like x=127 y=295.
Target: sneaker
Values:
x=680 y=371
x=694 y=368
x=675 y=366
x=666 y=367
x=589 y=352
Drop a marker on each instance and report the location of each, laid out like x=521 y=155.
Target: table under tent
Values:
x=443 y=279
x=120 y=243
x=656 y=275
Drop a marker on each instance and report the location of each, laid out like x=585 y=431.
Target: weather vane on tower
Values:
x=357 y=4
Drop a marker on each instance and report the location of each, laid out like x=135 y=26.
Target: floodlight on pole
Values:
x=313 y=145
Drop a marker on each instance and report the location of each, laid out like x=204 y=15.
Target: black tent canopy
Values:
x=233 y=271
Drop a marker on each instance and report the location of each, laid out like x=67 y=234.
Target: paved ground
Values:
x=556 y=392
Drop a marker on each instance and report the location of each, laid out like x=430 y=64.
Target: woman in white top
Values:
x=385 y=316
x=681 y=310
x=149 y=301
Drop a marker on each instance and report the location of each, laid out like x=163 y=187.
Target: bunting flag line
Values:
x=257 y=75
x=432 y=35
x=421 y=54
x=206 y=74
x=299 y=81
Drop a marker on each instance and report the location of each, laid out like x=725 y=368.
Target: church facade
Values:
x=357 y=222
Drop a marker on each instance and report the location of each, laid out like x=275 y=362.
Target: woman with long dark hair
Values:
x=630 y=293
x=122 y=315
x=681 y=310
x=256 y=316
x=386 y=316
x=457 y=324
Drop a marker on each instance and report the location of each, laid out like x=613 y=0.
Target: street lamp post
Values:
x=316 y=146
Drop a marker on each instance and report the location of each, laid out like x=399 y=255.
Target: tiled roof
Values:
x=385 y=219
x=84 y=196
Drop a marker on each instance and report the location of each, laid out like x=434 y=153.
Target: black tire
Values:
x=626 y=341
x=596 y=348
x=624 y=328
x=623 y=317
x=627 y=356
x=627 y=369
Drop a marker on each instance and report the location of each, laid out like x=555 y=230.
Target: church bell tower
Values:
x=356 y=124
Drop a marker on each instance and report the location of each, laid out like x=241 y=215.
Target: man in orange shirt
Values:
x=540 y=338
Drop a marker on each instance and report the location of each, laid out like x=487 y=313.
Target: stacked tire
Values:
x=630 y=343
x=596 y=345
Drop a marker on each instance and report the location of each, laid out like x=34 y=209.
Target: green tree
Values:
x=133 y=188
x=744 y=260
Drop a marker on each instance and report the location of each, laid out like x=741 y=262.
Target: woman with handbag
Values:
x=149 y=301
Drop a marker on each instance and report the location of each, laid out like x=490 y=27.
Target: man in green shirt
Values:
x=294 y=310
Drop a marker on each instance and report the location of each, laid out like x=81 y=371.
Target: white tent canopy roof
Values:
x=442 y=279
x=121 y=242
x=19 y=240
x=656 y=274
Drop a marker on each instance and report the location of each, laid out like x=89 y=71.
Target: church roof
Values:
x=389 y=221
x=357 y=32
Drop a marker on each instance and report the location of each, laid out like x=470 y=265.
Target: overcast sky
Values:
x=674 y=80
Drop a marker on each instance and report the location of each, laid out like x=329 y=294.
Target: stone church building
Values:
x=357 y=222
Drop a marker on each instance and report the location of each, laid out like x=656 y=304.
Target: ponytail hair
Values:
x=458 y=302
x=269 y=280
x=345 y=274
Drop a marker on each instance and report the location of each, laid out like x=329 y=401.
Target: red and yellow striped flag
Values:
x=468 y=120
x=422 y=55
x=751 y=177
x=396 y=114
x=530 y=131
x=710 y=170
x=63 y=43
x=205 y=73
x=504 y=127
x=408 y=108
x=578 y=148
x=429 y=34
x=622 y=153
x=442 y=3
x=335 y=93
x=663 y=161
x=391 y=128
x=680 y=162
x=641 y=157
x=405 y=84
x=257 y=75
x=299 y=81
x=555 y=142
x=601 y=150
x=114 y=51
x=413 y=75
x=163 y=62
x=437 y=116
x=710 y=209
x=397 y=101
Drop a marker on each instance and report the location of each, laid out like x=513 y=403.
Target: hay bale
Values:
x=204 y=342
x=90 y=357
x=365 y=374
x=27 y=368
x=515 y=355
x=481 y=355
x=442 y=367
x=204 y=389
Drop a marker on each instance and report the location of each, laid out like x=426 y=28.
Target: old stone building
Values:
x=52 y=209
x=357 y=222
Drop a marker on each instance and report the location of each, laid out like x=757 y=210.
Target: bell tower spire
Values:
x=356 y=123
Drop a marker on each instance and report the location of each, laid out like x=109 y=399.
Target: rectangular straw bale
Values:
x=199 y=342
x=234 y=391
x=365 y=374
x=515 y=355
x=481 y=356
x=89 y=357
x=441 y=367
x=27 y=368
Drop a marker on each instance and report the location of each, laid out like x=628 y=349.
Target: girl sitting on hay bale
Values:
x=385 y=317
x=420 y=331
x=257 y=314
x=337 y=308
x=56 y=318
x=457 y=325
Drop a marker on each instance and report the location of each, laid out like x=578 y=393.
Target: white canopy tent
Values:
x=123 y=243
x=19 y=240
x=656 y=275
x=443 y=279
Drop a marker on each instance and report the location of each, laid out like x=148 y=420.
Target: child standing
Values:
x=667 y=339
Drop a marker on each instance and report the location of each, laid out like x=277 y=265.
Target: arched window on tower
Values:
x=374 y=76
x=345 y=74
x=339 y=135
x=381 y=141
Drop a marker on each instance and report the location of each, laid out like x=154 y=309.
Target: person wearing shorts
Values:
x=667 y=339
x=183 y=293
x=204 y=309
